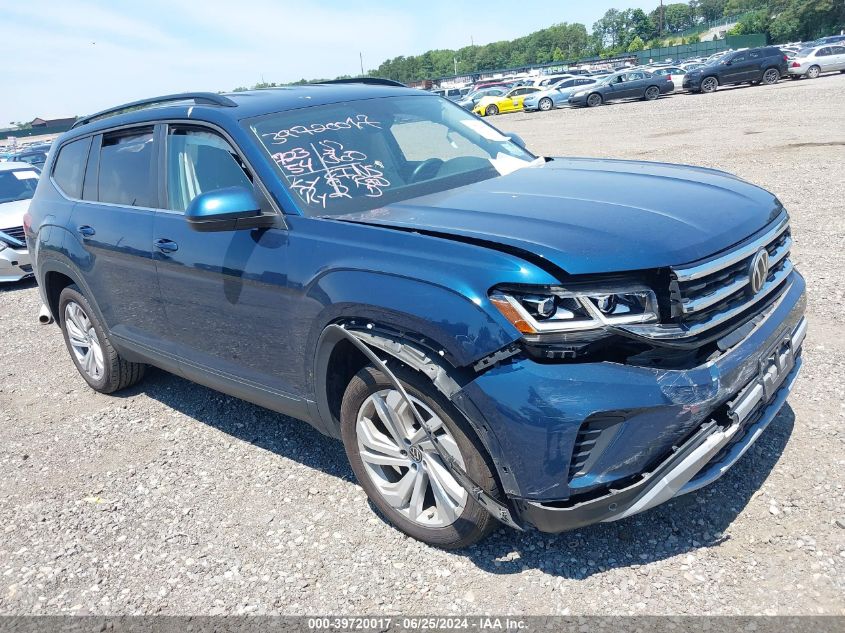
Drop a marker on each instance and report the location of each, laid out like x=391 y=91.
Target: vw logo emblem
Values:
x=758 y=271
x=415 y=453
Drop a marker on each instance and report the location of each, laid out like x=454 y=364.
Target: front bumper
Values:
x=654 y=419
x=14 y=265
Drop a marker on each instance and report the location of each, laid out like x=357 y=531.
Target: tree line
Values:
x=620 y=31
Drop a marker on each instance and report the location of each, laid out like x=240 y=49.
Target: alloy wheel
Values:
x=402 y=463
x=709 y=85
x=84 y=342
x=545 y=104
x=492 y=110
x=594 y=100
x=652 y=93
x=814 y=72
x=771 y=76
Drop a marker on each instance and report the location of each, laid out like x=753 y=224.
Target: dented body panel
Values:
x=535 y=410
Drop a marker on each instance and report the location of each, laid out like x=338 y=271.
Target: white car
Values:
x=812 y=62
x=17 y=186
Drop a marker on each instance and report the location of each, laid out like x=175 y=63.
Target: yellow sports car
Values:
x=511 y=101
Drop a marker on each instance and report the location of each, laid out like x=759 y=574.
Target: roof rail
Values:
x=373 y=81
x=206 y=98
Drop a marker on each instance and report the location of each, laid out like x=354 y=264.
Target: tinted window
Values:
x=199 y=160
x=837 y=50
x=755 y=54
x=126 y=169
x=824 y=52
x=70 y=167
x=739 y=58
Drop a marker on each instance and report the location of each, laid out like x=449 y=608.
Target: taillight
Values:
x=785 y=58
x=669 y=77
x=27 y=222
x=796 y=65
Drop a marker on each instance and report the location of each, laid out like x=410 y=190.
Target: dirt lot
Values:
x=171 y=498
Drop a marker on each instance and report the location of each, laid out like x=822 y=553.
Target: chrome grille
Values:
x=15 y=232
x=711 y=293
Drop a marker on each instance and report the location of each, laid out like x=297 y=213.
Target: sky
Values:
x=66 y=57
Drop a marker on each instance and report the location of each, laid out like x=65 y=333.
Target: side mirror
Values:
x=516 y=139
x=228 y=209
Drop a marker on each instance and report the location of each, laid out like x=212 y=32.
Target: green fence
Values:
x=701 y=49
x=35 y=131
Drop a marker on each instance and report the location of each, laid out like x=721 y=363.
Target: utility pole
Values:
x=660 y=20
x=361 y=59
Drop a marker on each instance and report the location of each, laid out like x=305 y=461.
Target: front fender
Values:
x=465 y=329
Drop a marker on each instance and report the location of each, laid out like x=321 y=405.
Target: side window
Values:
x=199 y=160
x=69 y=169
x=739 y=58
x=838 y=50
x=823 y=52
x=755 y=54
x=126 y=168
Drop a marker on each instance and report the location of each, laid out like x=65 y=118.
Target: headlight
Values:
x=576 y=309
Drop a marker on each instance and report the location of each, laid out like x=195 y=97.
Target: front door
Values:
x=225 y=293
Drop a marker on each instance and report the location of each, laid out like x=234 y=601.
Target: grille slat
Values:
x=14 y=231
x=710 y=294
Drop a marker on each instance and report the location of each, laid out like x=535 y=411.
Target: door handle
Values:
x=166 y=246
x=85 y=230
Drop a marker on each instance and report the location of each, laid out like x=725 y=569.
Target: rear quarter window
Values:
x=69 y=170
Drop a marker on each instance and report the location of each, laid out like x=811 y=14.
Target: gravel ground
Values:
x=171 y=498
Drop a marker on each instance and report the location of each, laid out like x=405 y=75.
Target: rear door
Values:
x=825 y=59
x=113 y=225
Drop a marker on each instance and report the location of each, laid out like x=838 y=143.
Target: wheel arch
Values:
x=337 y=360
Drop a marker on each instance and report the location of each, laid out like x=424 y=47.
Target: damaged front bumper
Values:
x=592 y=442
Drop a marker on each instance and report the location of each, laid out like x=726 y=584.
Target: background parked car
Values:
x=557 y=95
x=35 y=157
x=470 y=100
x=509 y=102
x=675 y=74
x=755 y=65
x=636 y=84
x=812 y=62
x=17 y=186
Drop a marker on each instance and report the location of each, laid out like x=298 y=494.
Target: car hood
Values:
x=593 y=216
x=11 y=213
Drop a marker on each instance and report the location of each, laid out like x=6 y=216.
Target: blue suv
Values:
x=495 y=336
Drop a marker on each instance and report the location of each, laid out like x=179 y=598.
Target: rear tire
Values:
x=437 y=520
x=90 y=347
x=813 y=72
x=652 y=93
x=771 y=76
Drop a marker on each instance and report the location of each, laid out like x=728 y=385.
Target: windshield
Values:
x=360 y=155
x=17 y=184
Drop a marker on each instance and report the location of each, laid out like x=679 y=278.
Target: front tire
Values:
x=90 y=347
x=545 y=104
x=397 y=465
x=491 y=110
x=813 y=72
x=594 y=100
x=709 y=84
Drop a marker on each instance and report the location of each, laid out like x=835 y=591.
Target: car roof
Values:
x=246 y=104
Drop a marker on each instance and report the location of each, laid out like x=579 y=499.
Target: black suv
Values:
x=755 y=65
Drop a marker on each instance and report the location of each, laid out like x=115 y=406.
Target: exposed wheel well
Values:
x=344 y=362
x=54 y=283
